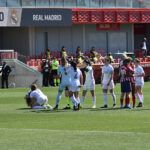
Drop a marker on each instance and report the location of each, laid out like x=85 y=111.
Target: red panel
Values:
x=108 y=26
x=74 y=17
x=94 y=16
x=110 y=16
x=122 y=17
x=84 y=17
x=97 y=17
x=146 y=17
x=134 y=17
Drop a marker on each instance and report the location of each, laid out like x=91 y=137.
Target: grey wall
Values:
x=85 y=36
x=31 y=41
x=16 y=38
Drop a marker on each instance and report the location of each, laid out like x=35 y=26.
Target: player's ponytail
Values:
x=74 y=65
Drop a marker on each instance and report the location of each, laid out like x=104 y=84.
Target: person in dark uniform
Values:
x=5 y=73
x=46 y=72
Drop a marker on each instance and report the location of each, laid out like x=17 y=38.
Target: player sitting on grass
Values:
x=36 y=99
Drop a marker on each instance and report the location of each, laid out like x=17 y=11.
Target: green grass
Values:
x=88 y=129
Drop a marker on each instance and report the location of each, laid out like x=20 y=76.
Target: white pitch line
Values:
x=75 y=131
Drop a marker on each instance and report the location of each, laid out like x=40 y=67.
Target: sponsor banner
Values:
x=107 y=26
x=10 y=17
x=3 y=16
x=46 y=17
x=14 y=17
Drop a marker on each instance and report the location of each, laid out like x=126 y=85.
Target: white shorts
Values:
x=89 y=86
x=141 y=84
x=110 y=86
x=42 y=100
x=74 y=88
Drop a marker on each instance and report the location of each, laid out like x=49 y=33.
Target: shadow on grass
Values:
x=118 y=108
x=82 y=109
x=24 y=108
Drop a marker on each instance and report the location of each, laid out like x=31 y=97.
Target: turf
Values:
x=89 y=129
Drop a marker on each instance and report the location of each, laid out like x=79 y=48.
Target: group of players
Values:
x=71 y=73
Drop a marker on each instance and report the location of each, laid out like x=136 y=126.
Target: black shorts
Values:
x=54 y=72
x=66 y=89
x=125 y=87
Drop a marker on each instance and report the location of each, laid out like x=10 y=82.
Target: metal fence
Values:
x=77 y=3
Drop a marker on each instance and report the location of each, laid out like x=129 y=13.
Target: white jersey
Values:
x=107 y=71
x=64 y=73
x=89 y=75
x=75 y=76
x=39 y=96
x=89 y=79
x=139 y=71
x=144 y=46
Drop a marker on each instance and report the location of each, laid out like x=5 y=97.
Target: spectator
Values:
x=48 y=54
x=144 y=47
x=5 y=73
x=63 y=52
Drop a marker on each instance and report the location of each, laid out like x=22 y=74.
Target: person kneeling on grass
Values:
x=36 y=99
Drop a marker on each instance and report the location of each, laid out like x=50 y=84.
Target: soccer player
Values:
x=132 y=80
x=107 y=82
x=65 y=80
x=36 y=99
x=125 y=80
x=139 y=81
x=76 y=83
x=89 y=82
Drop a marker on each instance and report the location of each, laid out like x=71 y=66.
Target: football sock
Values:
x=54 y=82
x=78 y=99
x=82 y=100
x=121 y=102
x=127 y=101
x=141 y=98
x=114 y=97
x=133 y=100
x=68 y=101
x=74 y=101
x=94 y=100
x=58 y=98
x=105 y=98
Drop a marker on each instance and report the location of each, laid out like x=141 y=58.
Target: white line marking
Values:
x=82 y=131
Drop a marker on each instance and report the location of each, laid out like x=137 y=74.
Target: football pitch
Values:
x=88 y=129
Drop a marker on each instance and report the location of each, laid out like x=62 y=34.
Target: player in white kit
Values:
x=139 y=81
x=38 y=100
x=63 y=72
x=89 y=82
x=107 y=82
x=76 y=83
